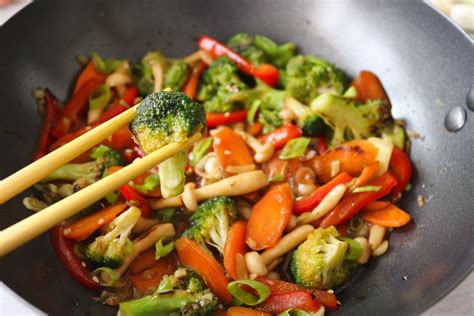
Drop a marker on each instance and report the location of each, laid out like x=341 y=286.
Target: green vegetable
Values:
x=106 y=275
x=355 y=249
x=351 y=93
x=396 y=133
x=252 y=112
x=218 y=83
x=211 y=222
x=200 y=149
x=167 y=214
x=150 y=183
x=350 y=119
x=319 y=261
x=106 y=65
x=259 y=49
x=163 y=118
x=100 y=98
x=163 y=248
x=367 y=188
x=308 y=121
x=168 y=284
x=309 y=76
x=263 y=292
x=295 y=148
x=110 y=249
x=297 y=312
x=176 y=75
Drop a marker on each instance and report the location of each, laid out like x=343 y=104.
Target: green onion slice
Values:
x=100 y=97
x=295 y=148
x=200 y=150
x=355 y=249
x=163 y=248
x=263 y=292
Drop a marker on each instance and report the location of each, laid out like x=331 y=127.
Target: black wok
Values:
x=425 y=62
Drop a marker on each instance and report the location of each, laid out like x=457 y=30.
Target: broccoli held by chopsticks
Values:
x=163 y=118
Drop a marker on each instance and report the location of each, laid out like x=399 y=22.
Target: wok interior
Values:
x=422 y=60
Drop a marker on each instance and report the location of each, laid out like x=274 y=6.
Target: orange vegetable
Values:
x=234 y=245
x=201 y=261
x=366 y=174
x=243 y=311
x=191 y=85
x=220 y=312
x=85 y=226
x=377 y=205
x=369 y=87
x=269 y=217
x=231 y=149
x=144 y=261
x=254 y=129
x=88 y=73
x=390 y=216
x=149 y=279
x=353 y=157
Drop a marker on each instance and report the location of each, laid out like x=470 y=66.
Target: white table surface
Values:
x=459 y=302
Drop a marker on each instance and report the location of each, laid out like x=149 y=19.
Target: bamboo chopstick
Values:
x=32 y=226
x=34 y=172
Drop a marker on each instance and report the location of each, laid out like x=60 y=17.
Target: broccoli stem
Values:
x=157 y=304
x=73 y=171
x=171 y=173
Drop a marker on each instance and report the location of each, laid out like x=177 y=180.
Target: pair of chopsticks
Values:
x=38 y=223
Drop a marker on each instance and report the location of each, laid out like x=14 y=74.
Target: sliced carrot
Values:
x=377 y=205
x=353 y=157
x=85 y=226
x=234 y=245
x=254 y=129
x=201 y=261
x=244 y=311
x=366 y=174
x=390 y=216
x=191 y=85
x=149 y=279
x=89 y=72
x=269 y=217
x=220 y=312
x=144 y=261
x=369 y=87
x=231 y=149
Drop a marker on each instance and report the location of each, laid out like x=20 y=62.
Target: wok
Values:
x=425 y=62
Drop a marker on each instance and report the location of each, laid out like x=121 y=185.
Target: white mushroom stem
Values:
x=326 y=205
x=263 y=152
x=286 y=244
x=120 y=76
x=189 y=199
x=144 y=224
x=157 y=71
x=233 y=186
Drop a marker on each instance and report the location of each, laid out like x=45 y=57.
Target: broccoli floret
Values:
x=308 y=121
x=110 y=249
x=167 y=117
x=186 y=296
x=260 y=49
x=319 y=261
x=349 y=119
x=211 y=222
x=218 y=83
x=88 y=171
x=309 y=76
x=176 y=75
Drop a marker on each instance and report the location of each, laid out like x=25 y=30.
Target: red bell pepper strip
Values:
x=191 y=85
x=308 y=203
x=51 y=112
x=265 y=72
x=125 y=102
x=216 y=119
x=322 y=145
x=74 y=108
x=279 y=137
x=130 y=95
x=278 y=303
x=402 y=169
x=89 y=72
x=353 y=203
x=64 y=249
x=328 y=300
x=133 y=196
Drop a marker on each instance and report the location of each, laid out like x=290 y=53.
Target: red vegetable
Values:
x=278 y=303
x=353 y=203
x=51 y=112
x=265 y=72
x=326 y=299
x=64 y=249
x=308 y=203
x=402 y=169
x=70 y=118
x=191 y=85
x=89 y=72
x=279 y=137
x=216 y=119
x=322 y=145
x=118 y=107
x=133 y=196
